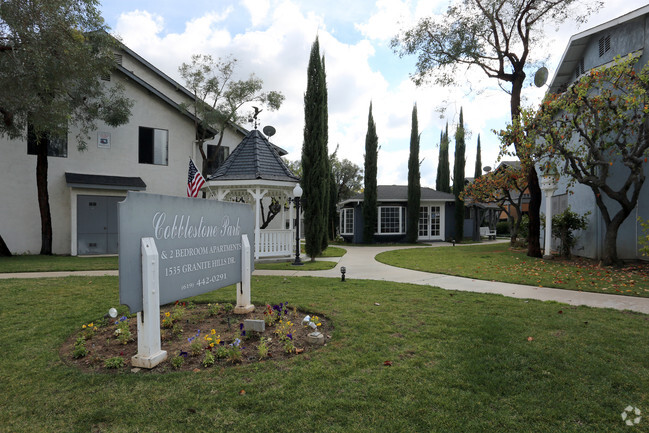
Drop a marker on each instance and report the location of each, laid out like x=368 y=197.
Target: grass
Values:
x=25 y=263
x=307 y=265
x=460 y=362
x=497 y=262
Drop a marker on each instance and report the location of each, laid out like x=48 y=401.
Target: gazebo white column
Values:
x=549 y=186
x=257 y=194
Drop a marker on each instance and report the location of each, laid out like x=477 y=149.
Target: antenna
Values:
x=486 y=169
x=269 y=131
x=541 y=76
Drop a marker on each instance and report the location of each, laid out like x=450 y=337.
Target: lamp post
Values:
x=297 y=193
x=549 y=182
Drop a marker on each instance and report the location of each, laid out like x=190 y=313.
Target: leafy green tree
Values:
x=458 y=178
x=52 y=56
x=219 y=98
x=598 y=131
x=370 y=192
x=443 y=166
x=315 y=159
x=499 y=38
x=503 y=187
x=414 y=186
x=348 y=177
x=478 y=161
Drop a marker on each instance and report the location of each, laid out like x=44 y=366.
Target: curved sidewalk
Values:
x=360 y=263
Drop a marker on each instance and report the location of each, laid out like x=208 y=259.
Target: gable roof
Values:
x=578 y=43
x=387 y=193
x=254 y=158
x=177 y=87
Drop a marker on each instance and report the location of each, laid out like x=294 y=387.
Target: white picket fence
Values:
x=275 y=243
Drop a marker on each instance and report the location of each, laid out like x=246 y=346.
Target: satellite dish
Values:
x=487 y=169
x=269 y=131
x=541 y=77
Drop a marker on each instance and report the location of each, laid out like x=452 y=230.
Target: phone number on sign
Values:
x=206 y=280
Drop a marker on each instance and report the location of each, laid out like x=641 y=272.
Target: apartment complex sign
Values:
x=198 y=243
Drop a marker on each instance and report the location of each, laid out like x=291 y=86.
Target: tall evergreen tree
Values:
x=478 y=161
x=458 y=179
x=414 y=187
x=315 y=160
x=443 y=168
x=370 y=210
x=330 y=198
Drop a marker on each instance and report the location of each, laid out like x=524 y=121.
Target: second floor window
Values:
x=216 y=157
x=56 y=145
x=153 y=145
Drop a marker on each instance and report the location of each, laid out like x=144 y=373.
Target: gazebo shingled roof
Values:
x=254 y=158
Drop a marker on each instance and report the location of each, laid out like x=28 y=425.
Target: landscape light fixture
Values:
x=343 y=270
x=297 y=194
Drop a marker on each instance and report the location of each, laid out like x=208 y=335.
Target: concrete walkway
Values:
x=360 y=264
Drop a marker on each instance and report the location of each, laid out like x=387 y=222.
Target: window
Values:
x=604 y=45
x=347 y=221
x=392 y=220
x=153 y=146
x=56 y=145
x=216 y=155
x=580 y=68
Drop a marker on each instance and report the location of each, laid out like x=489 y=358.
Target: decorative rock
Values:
x=315 y=338
x=254 y=325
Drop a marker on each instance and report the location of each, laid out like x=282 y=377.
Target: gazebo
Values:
x=254 y=173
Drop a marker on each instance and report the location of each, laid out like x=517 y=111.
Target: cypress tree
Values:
x=330 y=197
x=439 y=162
x=315 y=167
x=458 y=179
x=443 y=168
x=370 y=210
x=478 y=161
x=414 y=187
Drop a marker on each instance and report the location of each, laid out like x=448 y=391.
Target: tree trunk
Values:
x=610 y=238
x=43 y=197
x=4 y=250
x=534 y=233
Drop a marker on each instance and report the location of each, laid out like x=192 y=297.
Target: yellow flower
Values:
x=84 y=326
x=91 y=325
x=218 y=340
x=211 y=344
x=167 y=314
x=318 y=324
x=213 y=331
x=208 y=338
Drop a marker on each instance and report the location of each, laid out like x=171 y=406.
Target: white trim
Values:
x=402 y=220
x=343 y=221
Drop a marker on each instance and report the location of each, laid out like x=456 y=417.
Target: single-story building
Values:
x=435 y=215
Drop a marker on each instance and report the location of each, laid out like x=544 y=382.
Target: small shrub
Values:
x=177 y=362
x=123 y=332
x=563 y=226
x=502 y=228
x=262 y=348
x=214 y=309
x=80 y=349
x=208 y=359
x=114 y=362
x=643 y=240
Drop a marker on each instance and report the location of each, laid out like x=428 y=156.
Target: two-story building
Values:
x=150 y=153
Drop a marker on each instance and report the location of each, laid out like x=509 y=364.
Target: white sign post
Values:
x=149 y=353
x=243 y=287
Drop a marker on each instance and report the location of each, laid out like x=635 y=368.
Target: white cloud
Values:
x=258 y=10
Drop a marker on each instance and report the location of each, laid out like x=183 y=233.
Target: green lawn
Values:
x=461 y=362
x=307 y=265
x=498 y=262
x=56 y=263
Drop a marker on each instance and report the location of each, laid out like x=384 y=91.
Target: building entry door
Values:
x=97 y=224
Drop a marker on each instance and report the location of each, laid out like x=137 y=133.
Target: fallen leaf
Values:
x=242 y=392
x=377 y=304
x=196 y=370
x=298 y=351
x=560 y=311
x=388 y=363
x=530 y=338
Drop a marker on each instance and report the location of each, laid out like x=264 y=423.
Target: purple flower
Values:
x=290 y=336
x=183 y=353
x=240 y=326
x=190 y=339
x=121 y=319
x=243 y=333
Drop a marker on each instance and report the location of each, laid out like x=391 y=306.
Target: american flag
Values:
x=194 y=180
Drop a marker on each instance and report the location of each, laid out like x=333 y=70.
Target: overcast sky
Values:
x=273 y=38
